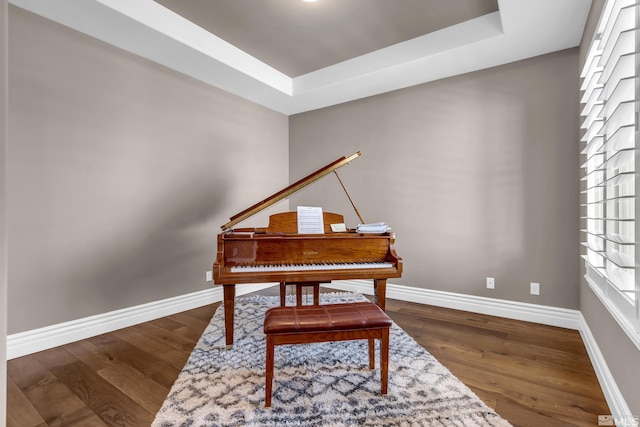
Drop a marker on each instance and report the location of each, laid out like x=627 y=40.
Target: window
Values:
x=610 y=114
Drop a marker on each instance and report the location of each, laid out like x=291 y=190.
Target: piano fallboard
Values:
x=247 y=257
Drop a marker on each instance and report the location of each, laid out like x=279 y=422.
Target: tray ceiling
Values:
x=293 y=56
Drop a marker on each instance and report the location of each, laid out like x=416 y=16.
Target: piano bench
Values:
x=322 y=323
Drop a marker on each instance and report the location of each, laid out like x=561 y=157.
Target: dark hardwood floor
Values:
x=532 y=375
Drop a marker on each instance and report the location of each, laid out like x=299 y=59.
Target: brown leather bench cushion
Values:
x=330 y=317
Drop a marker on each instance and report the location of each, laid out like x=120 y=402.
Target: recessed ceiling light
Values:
x=310 y=1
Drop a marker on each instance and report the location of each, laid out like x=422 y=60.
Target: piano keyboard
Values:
x=307 y=267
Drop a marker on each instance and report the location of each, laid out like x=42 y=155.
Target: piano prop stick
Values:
x=349 y=197
x=278 y=253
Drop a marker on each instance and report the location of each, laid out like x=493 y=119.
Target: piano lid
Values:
x=286 y=192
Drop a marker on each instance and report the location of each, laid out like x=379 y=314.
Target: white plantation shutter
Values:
x=610 y=125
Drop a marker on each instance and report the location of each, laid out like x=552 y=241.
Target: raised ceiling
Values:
x=296 y=37
x=292 y=56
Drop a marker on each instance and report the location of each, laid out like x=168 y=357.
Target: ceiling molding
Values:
x=520 y=30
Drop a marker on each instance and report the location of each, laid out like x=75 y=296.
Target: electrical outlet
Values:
x=209 y=276
x=535 y=288
x=491 y=283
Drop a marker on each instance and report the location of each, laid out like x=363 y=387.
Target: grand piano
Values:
x=278 y=253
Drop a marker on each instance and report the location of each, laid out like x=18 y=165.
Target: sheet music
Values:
x=310 y=220
x=374 y=227
x=337 y=228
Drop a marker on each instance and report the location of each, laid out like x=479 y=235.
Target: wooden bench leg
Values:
x=269 y=371
x=372 y=353
x=384 y=361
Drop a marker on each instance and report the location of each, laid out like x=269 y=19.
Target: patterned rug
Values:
x=323 y=384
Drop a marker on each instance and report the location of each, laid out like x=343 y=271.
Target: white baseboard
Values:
x=29 y=342
x=553 y=316
x=616 y=401
x=40 y=339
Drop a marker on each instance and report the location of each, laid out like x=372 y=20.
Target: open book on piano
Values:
x=277 y=253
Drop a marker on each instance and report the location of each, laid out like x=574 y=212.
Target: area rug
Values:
x=323 y=384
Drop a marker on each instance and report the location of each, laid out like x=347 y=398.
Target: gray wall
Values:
x=621 y=355
x=120 y=174
x=476 y=174
x=3 y=210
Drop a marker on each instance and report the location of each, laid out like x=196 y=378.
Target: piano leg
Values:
x=380 y=292
x=229 y=307
x=283 y=294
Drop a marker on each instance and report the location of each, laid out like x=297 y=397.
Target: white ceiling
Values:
x=293 y=56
